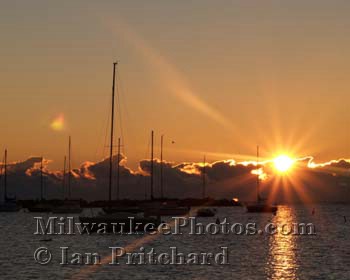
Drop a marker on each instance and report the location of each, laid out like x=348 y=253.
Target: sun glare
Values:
x=283 y=163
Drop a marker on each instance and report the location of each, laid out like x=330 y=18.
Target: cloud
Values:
x=328 y=181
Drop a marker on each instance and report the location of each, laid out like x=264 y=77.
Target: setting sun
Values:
x=283 y=163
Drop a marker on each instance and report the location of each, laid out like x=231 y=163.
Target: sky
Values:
x=215 y=77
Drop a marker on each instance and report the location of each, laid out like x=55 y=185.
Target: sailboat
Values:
x=108 y=217
x=261 y=205
x=204 y=211
x=159 y=207
x=68 y=206
x=42 y=206
x=9 y=204
x=120 y=208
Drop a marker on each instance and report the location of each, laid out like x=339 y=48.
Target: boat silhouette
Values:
x=261 y=205
x=10 y=203
x=42 y=205
x=111 y=216
x=68 y=205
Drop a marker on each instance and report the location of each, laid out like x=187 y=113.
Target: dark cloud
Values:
x=225 y=179
x=223 y=170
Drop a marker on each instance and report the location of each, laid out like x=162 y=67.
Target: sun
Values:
x=283 y=163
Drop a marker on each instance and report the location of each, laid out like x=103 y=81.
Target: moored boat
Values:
x=206 y=212
x=156 y=208
x=120 y=209
x=260 y=206
x=111 y=217
x=67 y=206
x=121 y=222
x=9 y=204
x=42 y=205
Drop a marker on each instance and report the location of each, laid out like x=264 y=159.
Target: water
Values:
x=325 y=255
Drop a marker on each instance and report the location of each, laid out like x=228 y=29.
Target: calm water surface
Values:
x=325 y=255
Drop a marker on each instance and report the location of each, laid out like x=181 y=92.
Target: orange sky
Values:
x=215 y=78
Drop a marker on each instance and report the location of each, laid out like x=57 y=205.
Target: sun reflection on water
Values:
x=282 y=258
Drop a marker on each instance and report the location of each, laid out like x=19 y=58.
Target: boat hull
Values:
x=67 y=207
x=263 y=208
x=39 y=209
x=66 y=210
x=206 y=213
x=9 y=208
x=111 y=210
x=176 y=211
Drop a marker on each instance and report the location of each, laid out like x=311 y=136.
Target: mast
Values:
x=203 y=190
x=118 y=168
x=152 y=138
x=64 y=177
x=161 y=167
x=146 y=182
x=111 y=140
x=257 y=175
x=5 y=176
x=41 y=180
x=69 y=167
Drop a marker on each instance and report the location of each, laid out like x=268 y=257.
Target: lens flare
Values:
x=57 y=124
x=283 y=163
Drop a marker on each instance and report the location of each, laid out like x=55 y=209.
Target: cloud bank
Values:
x=306 y=182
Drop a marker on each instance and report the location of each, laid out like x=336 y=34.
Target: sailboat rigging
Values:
x=152 y=174
x=64 y=178
x=9 y=204
x=118 y=171
x=68 y=206
x=42 y=205
x=203 y=178
x=260 y=205
x=161 y=167
x=117 y=215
